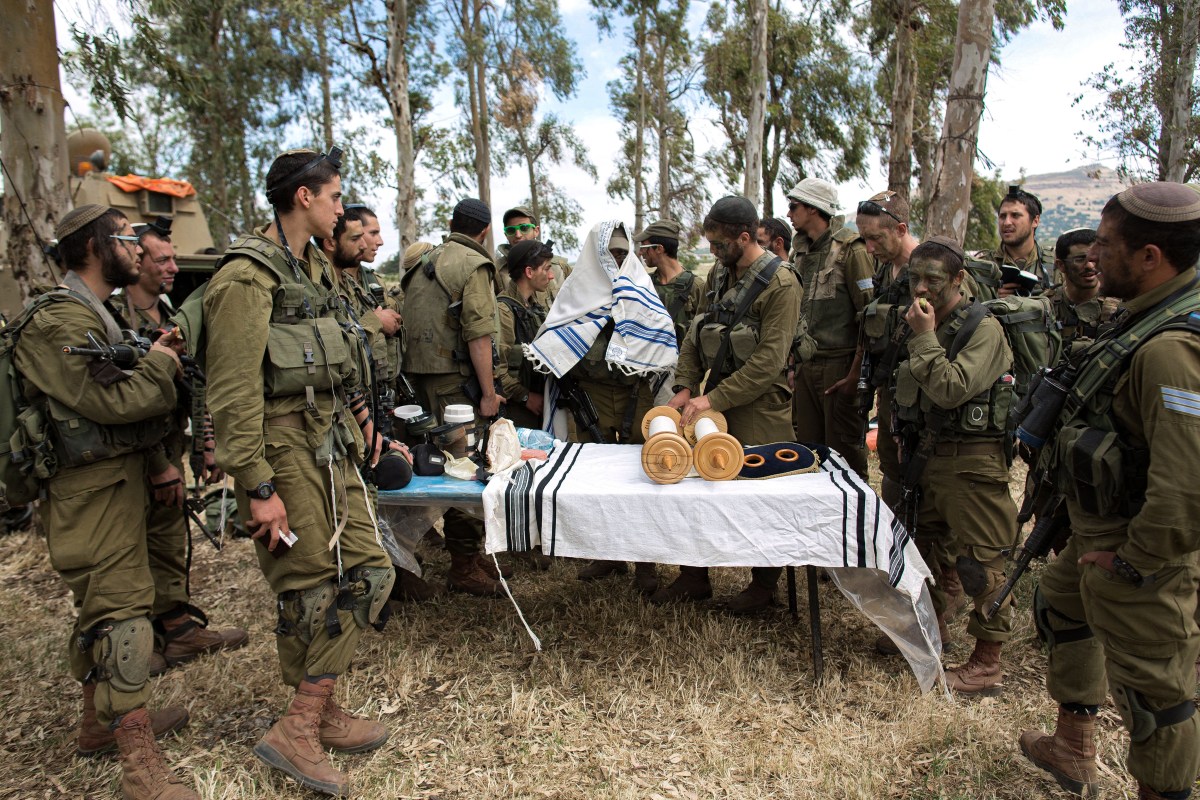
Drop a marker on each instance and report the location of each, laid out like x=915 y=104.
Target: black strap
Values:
x=761 y=279
x=975 y=315
x=1175 y=714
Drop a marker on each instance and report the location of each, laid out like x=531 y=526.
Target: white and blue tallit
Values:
x=596 y=291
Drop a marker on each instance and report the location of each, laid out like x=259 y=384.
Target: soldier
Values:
x=775 y=236
x=1119 y=602
x=181 y=628
x=621 y=401
x=952 y=397
x=521 y=225
x=1019 y=216
x=1080 y=309
x=836 y=273
x=106 y=426
x=450 y=315
x=529 y=272
x=750 y=388
x=681 y=293
x=283 y=377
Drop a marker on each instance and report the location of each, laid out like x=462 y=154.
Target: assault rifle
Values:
x=1052 y=521
x=127 y=354
x=582 y=408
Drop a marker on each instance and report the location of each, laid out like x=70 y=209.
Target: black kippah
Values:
x=475 y=209
x=733 y=210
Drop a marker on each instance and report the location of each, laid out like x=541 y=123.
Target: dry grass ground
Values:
x=625 y=701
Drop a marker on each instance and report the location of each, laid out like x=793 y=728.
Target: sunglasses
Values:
x=794 y=205
x=524 y=227
x=648 y=246
x=125 y=239
x=873 y=209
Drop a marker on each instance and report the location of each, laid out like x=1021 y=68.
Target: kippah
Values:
x=1161 y=201
x=523 y=252
x=413 y=253
x=949 y=244
x=77 y=218
x=733 y=210
x=475 y=209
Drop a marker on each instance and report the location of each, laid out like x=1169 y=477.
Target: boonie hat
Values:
x=664 y=228
x=816 y=193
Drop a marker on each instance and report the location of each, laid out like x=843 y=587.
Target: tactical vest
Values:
x=827 y=326
x=674 y=297
x=984 y=416
x=433 y=293
x=1082 y=324
x=594 y=364
x=1091 y=458
x=985 y=278
x=711 y=325
x=308 y=348
x=881 y=315
x=526 y=322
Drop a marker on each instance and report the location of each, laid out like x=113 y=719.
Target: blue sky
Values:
x=1029 y=122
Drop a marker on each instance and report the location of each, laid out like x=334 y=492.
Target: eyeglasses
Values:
x=125 y=239
x=794 y=205
x=873 y=209
x=524 y=227
x=648 y=246
x=1078 y=260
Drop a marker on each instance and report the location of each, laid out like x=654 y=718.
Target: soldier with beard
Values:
x=1078 y=305
x=106 y=426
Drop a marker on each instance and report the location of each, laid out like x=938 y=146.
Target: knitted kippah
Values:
x=948 y=243
x=414 y=252
x=733 y=210
x=77 y=218
x=475 y=209
x=1161 y=202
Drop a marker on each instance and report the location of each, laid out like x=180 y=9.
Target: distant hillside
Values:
x=1072 y=199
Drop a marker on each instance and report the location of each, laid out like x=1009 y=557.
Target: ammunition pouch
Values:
x=743 y=339
x=878 y=322
x=1055 y=628
x=79 y=440
x=1141 y=721
x=122 y=652
x=804 y=346
x=370 y=588
x=309 y=355
x=303 y=612
x=1104 y=476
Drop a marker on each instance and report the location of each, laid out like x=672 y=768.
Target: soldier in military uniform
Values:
x=521 y=225
x=952 y=395
x=836 y=273
x=1118 y=605
x=680 y=291
x=1082 y=312
x=181 y=628
x=621 y=401
x=284 y=372
x=1018 y=219
x=385 y=309
x=750 y=388
x=106 y=427
x=775 y=236
x=450 y=316
x=529 y=272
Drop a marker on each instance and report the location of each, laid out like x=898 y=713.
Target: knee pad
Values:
x=122 y=652
x=973 y=576
x=303 y=612
x=372 y=588
x=1053 y=627
x=1140 y=720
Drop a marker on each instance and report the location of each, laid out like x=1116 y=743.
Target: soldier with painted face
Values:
x=1082 y=312
x=952 y=396
x=106 y=427
x=836 y=274
x=1117 y=607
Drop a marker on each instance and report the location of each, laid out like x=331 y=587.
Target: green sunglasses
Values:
x=524 y=227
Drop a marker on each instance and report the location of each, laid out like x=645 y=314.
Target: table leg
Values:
x=814 y=621
x=791 y=590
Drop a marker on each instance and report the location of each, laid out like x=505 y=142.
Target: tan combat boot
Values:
x=601 y=569
x=1069 y=754
x=956 y=598
x=293 y=745
x=346 y=733
x=692 y=584
x=488 y=565
x=466 y=576
x=187 y=638
x=645 y=577
x=981 y=674
x=94 y=738
x=144 y=774
x=412 y=588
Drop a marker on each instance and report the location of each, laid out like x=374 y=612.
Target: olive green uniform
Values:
x=837 y=275
x=1039 y=263
x=95 y=513
x=965 y=508
x=880 y=319
x=437 y=359
x=519 y=323
x=1143 y=639
x=545 y=298
x=303 y=440
x=1081 y=323
x=683 y=297
x=621 y=400
x=753 y=396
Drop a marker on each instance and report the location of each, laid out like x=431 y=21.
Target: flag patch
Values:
x=1181 y=401
x=866 y=284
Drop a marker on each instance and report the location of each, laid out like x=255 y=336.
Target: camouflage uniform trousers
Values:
x=167 y=545
x=831 y=419
x=611 y=400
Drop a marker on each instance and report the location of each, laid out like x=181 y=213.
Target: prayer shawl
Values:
x=597 y=290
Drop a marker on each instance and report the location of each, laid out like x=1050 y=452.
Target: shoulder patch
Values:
x=1181 y=401
x=866 y=284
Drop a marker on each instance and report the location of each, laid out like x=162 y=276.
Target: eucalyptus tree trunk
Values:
x=1173 y=143
x=397 y=97
x=757 y=116
x=904 y=93
x=639 y=188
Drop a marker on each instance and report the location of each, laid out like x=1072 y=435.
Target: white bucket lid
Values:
x=408 y=412
x=458 y=413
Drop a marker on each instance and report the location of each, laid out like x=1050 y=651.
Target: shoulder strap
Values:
x=975 y=315
x=516 y=307
x=756 y=287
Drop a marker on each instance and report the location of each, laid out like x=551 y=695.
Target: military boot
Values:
x=412 y=588
x=488 y=565
x=144 y=773
x=466 y=576
x=981 y=674
x=1069 y=754
x=94 y=738
x=346 y=733
x=293 y=745
x=759 y=594
x=645 y=577
x=692 y=584
x=536 y=559
x=601 y=569
x=186 y=637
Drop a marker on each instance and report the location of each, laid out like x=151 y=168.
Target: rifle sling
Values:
x=761 y=279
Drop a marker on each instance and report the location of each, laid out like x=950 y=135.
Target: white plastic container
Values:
x=407 y=412
x=462 y=415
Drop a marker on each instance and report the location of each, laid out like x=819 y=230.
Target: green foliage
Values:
x=983 y=232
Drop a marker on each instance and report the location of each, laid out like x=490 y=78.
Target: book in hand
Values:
x=1025 y=280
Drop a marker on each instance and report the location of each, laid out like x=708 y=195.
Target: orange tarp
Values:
x=135 y=183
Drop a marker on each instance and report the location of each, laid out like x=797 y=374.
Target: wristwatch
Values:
x=262 y=492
